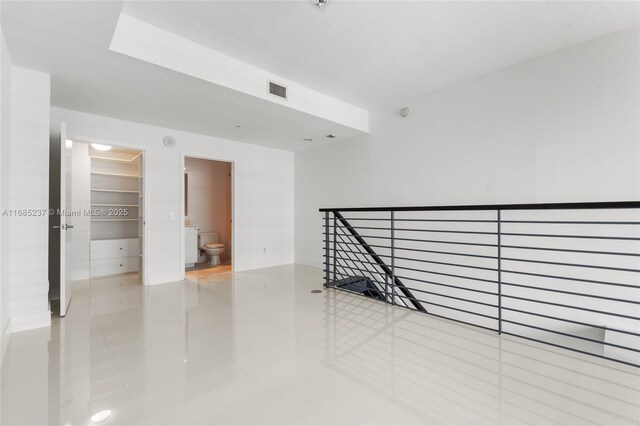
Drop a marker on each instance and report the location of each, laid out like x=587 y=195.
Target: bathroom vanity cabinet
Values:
x=190 y=245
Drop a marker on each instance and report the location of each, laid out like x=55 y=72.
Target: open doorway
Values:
x=98 y=193
x=208 y=216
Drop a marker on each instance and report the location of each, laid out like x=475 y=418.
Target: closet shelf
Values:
x=113 y=190
x=115 y=174
x=117 y=160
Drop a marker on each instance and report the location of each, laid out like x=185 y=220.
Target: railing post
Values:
x=326 y=249
x=335 y=238
x=393 y=260
x=499 y=274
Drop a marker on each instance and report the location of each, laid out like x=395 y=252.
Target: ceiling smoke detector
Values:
x=169 y=141
x=320 y=3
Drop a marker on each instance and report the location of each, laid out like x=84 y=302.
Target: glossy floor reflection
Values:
x=258 y=348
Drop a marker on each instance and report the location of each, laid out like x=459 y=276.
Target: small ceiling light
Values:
x=332 y=135
x=404 y=112
x=320 y=3
x=100 y=147
x=308 y=140
x=101 y=416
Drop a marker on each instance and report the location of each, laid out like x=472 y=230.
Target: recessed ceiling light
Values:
x=101 y=416
x=100 y=147
x=332 y=135
x=308 y=139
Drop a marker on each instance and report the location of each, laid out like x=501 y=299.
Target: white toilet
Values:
x=208 y=241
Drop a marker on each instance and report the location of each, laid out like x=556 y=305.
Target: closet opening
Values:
x=97 y=236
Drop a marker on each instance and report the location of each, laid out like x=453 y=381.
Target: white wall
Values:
x=5 y=141
x=562 y=127
x=29 y=190
x=263 y=193
x=209 y=201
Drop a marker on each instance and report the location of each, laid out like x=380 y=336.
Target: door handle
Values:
x=67 y=227
x=56 y=227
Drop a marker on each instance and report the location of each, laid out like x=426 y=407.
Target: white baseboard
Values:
x=307 y=261
x=30 y=321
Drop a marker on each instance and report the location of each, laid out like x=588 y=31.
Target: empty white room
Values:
x=323 y=212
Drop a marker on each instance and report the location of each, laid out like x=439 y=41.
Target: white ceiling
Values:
x=371 y=54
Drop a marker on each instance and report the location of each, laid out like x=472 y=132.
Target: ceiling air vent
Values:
x=277 y=90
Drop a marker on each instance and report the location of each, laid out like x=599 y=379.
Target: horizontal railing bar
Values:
x=539 y=206
x=564 y=250
x=571 y=349
x=449 y=307
x=424 y=220
x=430 y=241
x=559 y=277
x=585 y=237
x=573 y=222
x=454 y=297
x=450 y=286
x=450 y=253
x=575 y=265
x=613 y=253
x=423 y=230
x=551 y=222
x=574 y=293
x=579 y=308
x=370 y=245
x=483 y=268
x=574 y=336
x=586 y=324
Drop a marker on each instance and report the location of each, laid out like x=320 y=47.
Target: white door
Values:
x=66 y=225
x=141 y=220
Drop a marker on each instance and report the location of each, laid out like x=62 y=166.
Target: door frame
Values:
x=183 y=156
x=145 y=190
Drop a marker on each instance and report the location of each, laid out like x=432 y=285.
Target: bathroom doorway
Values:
x=208 y=216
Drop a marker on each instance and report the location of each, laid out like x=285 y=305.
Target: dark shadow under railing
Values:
x=563 y=274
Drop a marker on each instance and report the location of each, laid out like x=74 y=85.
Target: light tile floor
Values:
x=258 y=348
